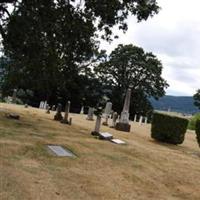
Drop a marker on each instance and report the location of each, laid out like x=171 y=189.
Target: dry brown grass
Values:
x=143 y=169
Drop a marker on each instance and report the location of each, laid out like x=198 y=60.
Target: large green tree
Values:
x=130 y=66
x=51 y=43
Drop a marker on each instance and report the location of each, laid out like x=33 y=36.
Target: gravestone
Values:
x=105 y=136
x=58 y=116
x=60 y=151
x=123 y=124
x=82 y=110
x=45 y=105
x=118 y=141
x=67 y=108
x=53 y=108
x=135 y=118
x=90 y=114
x=97 y=126
x=146 y=119
x=140 y=121
x=42 y=105
x=107 y=112
x=114 y=120
x=14 y=96
x=26 y=105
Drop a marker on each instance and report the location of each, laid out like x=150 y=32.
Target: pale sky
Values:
x=173 y=36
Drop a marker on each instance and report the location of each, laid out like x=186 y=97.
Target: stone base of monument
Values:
x=105 y=123
x=90 y=119
x=58 y=117
x=123 y=127
x=64 y=121
x=94 y=133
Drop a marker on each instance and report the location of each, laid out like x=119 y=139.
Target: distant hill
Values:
x=182 y=104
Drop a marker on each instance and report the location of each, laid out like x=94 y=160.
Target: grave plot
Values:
x=60 y=151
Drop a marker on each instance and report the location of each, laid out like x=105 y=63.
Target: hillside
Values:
x=140 y=170
x=182 y=104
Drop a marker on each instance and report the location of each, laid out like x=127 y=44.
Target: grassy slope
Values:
x=142 y=169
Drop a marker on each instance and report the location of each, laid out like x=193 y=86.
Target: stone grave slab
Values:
x=105 y=136
x=60 y=151
x=118 y=141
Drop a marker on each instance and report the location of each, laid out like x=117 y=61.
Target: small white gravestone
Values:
x=107 y=112
x=140 y=122
x=90 y=114
x=118 y=141
x=105 y=136
x=135 y=118
x=60 y=151
x=82 y=110
x=145 y=120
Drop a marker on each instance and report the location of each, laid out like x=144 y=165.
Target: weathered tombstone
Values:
x=123 y=124
x=107 y=111
x=40 y=106
x=146 y=119
x=14 y=96
x=26 y=105
x=53 y=108
x=135 y=118
x=114 y=120
x=45 y=105
x=97 y=126
x=140 y=121
x=58 y=116
x=90 y=114
x=67 y=108
x=82 y=110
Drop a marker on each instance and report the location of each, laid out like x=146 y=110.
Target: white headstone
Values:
x=135 y=118
x=145 y=120
x=82 y=110
x=90 y=113
x=140 y=122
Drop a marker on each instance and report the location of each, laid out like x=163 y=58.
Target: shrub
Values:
x=170 y=129
x=197 y=130
x=192 y=121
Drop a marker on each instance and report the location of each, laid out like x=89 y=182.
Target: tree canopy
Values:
x=50 y=46
x=130 y=66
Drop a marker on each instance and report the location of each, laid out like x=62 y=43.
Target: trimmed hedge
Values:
x=169 y=129
x=197 y=130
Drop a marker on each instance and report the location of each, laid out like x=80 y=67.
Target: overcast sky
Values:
x=174 y=36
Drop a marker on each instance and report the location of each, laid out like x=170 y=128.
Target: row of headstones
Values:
x=58 y=116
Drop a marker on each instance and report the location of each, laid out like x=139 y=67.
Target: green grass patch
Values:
x=192 y=122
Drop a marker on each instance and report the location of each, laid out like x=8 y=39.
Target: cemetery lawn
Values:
x=140 y=170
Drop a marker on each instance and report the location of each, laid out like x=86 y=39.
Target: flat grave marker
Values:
x=118 y=141
x=60 y=151
x=105 y=136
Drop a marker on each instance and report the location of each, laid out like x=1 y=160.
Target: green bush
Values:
x=170 y=129
x=192 y=122
x=197 y=130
